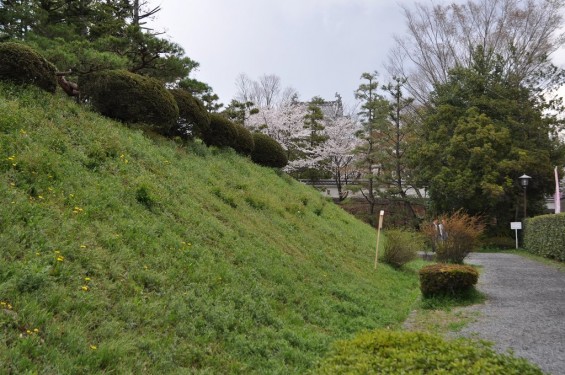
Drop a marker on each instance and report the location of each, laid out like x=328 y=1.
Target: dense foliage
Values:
x=483 y=131
x=268 y=152
x=545 y=236
x=193 y=120
x=91 y=35
x=21 y=64
x=221 y=133
x=447 y=279
x=131 y=98
x=243 y=143
x=394 y=352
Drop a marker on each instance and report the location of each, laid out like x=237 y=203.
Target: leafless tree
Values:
x=266 y=92
x=245 y=89
x=270 y=86
x=523 y=33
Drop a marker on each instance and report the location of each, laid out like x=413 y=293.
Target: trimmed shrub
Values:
x=462 y=235
x=243 y=144
x=545 y=235
x=22 y=65
x=401 y=247
x=221 y=133
x=131 y=98
x=447 y=279
x=268 y=152
x=193 y=120
x=398 y=352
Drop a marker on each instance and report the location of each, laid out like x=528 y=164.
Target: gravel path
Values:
x=524 y=311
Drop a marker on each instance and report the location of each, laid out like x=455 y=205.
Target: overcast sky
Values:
x=318 y=47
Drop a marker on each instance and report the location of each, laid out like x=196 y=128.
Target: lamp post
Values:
x=524 y=181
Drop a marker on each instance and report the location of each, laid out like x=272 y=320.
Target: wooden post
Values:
x=381 y=215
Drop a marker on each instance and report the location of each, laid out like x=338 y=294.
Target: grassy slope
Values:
x=194 y=261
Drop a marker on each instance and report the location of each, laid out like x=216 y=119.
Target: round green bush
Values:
x=243 y=143
x=131 y=98
x=447 y=279
x=193 y=120
x=22 y=65
x=221 y=133
x=268 y=152
x=397 y=352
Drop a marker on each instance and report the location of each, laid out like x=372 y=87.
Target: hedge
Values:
x=221 y=132
x=545 y=235
x=194 y=119
x=131 y=98
x=268 y=152
x=447 y=279
x=21 y=64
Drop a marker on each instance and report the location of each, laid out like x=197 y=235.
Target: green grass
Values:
x=123 y=252
x=447 y=302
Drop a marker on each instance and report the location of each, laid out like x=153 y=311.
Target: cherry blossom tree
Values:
x=285 y=124
x=338 y=149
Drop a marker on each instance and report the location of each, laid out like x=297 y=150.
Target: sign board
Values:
x=516 y=225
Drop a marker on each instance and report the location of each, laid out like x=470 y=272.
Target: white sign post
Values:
x=516 y=225
x=381 y=215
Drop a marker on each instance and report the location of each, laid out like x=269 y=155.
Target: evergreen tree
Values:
x=374 y=109
x=483 y=131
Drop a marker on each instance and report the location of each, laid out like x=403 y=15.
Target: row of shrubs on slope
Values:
x=132 y=98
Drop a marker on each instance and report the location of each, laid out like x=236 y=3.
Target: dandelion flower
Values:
x=60 y=258
x=83 y=246
x=93 y=347
x=85 y=288
x=87 y=279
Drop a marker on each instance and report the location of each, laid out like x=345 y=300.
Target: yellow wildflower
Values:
x=85 y=288
x=60 y=258
x=87 y=279
x=83 y=246
x=93 y=347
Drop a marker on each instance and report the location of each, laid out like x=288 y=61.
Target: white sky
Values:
x=318 y=47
